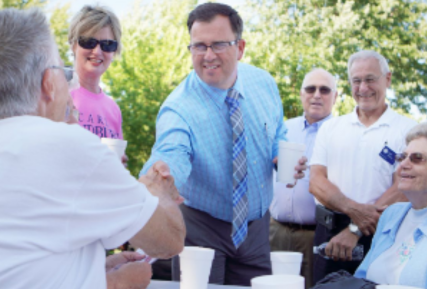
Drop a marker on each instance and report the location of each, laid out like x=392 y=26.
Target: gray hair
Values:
x=364 y=54
x=320 y=70
x=90 y=19
x=418 y=131
x=25 y=52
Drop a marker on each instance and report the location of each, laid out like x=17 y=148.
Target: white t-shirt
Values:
x=351 y=153
x=64 y=199
x=387 y=268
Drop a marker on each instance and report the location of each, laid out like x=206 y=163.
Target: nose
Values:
x=209 y=54
x=363 y=86
x=317 y=93
x=97 y=49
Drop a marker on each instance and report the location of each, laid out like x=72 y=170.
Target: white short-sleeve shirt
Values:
x=64 y=199
x=351 y=153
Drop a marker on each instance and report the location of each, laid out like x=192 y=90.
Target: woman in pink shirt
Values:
x=94 y=37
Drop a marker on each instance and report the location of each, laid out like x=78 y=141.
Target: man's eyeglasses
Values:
x=368 y=80
x=322 y=89
x=106 y=45
x=68 y=71
x=415 y=158
x=217 y=47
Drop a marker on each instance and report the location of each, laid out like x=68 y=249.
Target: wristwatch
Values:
x=355 y=229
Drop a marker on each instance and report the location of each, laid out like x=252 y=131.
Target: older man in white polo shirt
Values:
x=353 y=165
x=292 y=210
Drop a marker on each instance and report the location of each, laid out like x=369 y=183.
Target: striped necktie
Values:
x=240 y=186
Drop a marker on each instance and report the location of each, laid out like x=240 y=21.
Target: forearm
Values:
x=328 y=194
x=164 y=234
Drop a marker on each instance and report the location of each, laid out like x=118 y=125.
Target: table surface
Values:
x=157 y=284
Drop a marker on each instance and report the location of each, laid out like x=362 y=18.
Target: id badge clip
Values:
x=388 y=154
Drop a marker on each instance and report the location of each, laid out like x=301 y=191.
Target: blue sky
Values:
x=122 y=7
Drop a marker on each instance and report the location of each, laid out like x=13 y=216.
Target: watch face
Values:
x=355 y=229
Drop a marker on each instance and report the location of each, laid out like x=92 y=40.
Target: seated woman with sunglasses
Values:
x=94 y=37
x=399 y=247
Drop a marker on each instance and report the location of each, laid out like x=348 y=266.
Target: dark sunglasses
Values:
x=415 y=158
x=107 y=45
x=313 y=88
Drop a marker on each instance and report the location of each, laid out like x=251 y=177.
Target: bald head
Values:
x=318 y=94
x=321 y=74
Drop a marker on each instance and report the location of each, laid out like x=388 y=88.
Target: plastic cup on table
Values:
x=288 y=263
x=278 y=282
x=395 y=287
x=289 y=155
x=195 y=263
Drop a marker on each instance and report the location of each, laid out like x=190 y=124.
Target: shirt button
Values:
x=262 y=186
x=246 y=138
x=254 y=162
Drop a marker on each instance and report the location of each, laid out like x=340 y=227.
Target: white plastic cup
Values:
x=278 y=282
x=116 y=145
x=288 y=263
x=195 y=263
x=395 y=287
x=289 y=155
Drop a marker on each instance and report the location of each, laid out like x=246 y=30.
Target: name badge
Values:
x=388 y=155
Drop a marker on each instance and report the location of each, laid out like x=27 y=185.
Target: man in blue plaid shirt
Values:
x=223 y=105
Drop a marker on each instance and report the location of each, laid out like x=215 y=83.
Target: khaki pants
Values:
x=297 y=239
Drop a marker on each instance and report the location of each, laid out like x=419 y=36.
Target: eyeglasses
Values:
x=106 y=45
x=368 y=80
x=415 y=158
x=68 y=71
x=322 y=89
x=217 y=47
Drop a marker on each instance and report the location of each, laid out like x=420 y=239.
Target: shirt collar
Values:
x=393 y=225
x=385 y=118
x=218 y=95
x=317 y=124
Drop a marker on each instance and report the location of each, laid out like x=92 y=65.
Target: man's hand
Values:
x=160 y=183
x=341 y=246
x=366 y=217
x=299 y=168
x=124 y=273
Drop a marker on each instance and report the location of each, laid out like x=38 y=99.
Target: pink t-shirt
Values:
x=98 y=113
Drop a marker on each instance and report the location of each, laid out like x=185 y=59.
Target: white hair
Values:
x=26 y=50
x=364 y=54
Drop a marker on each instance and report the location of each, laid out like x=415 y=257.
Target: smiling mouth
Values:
x=407 y=177
x=95 y=60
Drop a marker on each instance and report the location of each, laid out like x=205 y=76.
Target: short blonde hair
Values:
x=91 y=19
x=417 y=131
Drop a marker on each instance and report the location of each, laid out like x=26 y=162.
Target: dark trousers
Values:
x=323 y=267
x=230 y=266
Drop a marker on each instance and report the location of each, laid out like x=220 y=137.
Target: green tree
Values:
x=22 y=4
x=153 y=62
x=59 y=23
x=289 y=38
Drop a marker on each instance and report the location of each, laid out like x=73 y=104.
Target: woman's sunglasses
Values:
x=415 y=158
x=107 y=45
x=312 y=89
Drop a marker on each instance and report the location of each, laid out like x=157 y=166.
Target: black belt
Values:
x=296 y=226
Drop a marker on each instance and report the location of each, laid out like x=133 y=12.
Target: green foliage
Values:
x=289 y=38
x=59 y=25
x=22 y=4
x=153 y=62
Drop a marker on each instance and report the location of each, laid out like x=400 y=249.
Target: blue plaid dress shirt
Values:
x=194 y=137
